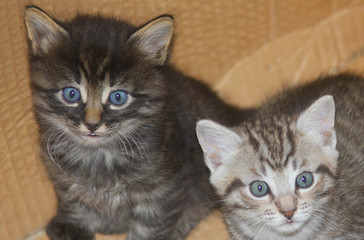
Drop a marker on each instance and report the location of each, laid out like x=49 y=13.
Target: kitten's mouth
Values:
x=289 y=223
x=92 y=137
x=290 y=226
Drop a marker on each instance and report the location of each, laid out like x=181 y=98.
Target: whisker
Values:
x=50 y=148
x=140 y=143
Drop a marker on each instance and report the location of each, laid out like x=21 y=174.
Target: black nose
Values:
x=92 y=127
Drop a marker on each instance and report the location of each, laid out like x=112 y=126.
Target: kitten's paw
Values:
x=57 y=230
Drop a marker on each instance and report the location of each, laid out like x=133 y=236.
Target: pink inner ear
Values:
x=318 y=121
x=215 y=159
x=212 y=151
x=327 y=137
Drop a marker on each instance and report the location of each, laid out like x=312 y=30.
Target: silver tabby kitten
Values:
x=117 y=127
x=296 y=170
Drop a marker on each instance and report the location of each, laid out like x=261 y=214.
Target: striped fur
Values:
x=134 y=167
x=276 y=146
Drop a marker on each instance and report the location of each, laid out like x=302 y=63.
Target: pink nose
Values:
x=288 y=214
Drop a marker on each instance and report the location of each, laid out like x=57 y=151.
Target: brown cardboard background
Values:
x=300 y=56
x=245 y=49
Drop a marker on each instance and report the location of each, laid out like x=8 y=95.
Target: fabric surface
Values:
x=223 y=43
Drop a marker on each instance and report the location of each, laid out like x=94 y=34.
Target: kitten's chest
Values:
x=103 y=210
x=105 y=199
x=98 y=182
x=105 y=180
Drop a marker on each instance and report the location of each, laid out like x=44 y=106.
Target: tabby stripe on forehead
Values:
x=85 y=66
x=268 y=144
x=262 y=159
x=102 y=66
x=280 y=139
x=253 y=141
x=275 y=150
x=263 y=170
x=237 y=183
x=84 y=72
x=294 y=164
x=293 y=145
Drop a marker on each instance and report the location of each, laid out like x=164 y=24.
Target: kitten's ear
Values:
x=42 y=30
x=217 y=142
x=154 y=38
x=318 y=121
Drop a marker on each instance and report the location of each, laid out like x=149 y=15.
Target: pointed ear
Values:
x=154 y=38
x=217 y=142
x=318 y=121
x=42 y=30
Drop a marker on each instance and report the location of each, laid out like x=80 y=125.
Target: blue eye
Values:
x=71 y=95
x=259 y=188
x=304 y=180
x=118 y=97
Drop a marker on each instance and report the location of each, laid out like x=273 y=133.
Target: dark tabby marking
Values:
x=236 y=184
x=117 y=127
x=324 y=170
x=308 y=151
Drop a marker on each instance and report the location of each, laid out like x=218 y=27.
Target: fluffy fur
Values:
x=292 y=138
x=117 y=127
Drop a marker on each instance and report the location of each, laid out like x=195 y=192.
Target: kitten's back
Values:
x=343 y=87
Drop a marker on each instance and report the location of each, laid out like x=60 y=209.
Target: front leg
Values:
x=60 y=228
x=153 y=223
x=72 y=222
x=158 y=218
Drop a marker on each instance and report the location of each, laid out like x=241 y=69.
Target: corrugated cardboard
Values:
x=246 y=50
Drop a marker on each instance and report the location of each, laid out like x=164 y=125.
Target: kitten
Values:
x=296 y=169
x=117 y=127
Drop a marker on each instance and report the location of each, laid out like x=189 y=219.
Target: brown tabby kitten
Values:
x=117 y=127
x=295 y=170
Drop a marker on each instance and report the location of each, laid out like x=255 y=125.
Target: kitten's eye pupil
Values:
x=118 y=98
x=71 y=95
x=259 y=188
x=304 y=180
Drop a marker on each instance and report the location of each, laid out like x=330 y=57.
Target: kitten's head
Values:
x=274 y=174
x=96 y=79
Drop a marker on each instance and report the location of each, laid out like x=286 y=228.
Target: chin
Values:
x=91 y=140
x=289 y=227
